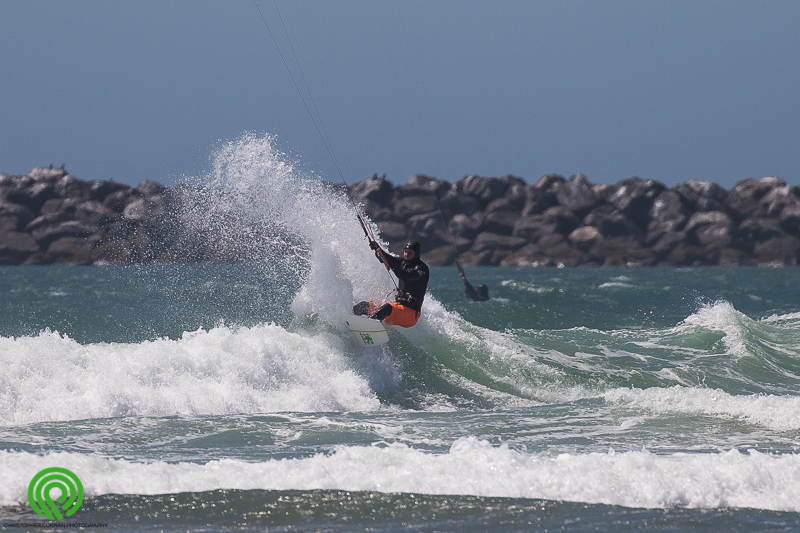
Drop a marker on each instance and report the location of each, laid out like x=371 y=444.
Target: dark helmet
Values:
x=412 y=245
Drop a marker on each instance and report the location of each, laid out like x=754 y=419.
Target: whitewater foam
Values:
x=778 y=413
x=722 y=316
x=220 y=371
x=471 y=467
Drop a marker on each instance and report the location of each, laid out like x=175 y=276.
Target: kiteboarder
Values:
x=413 y=275
x=481 y=294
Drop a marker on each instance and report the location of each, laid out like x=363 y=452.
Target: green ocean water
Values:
x=200 y=398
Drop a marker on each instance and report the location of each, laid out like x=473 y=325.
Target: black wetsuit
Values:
x=474 y=294
x=413 y=276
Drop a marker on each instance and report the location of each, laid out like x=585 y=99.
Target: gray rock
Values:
x=99 y=190
x=743 y=200
x=603 y=191
x=464 y=226
x=393 y=231
x=634 y=198
x=667 y=241
x=482 y=189
x=46 y=234
x=777 y=199
x=69 y=186
x=533 y=228
x=500 y=222
x=32 y=194
x=780 y=249
x=70 y=251
x=374 y=189
x=20 y=213
x=685 y=255
x=454 y=203
x=529 y=255
x=756 y=229
x=549 y=183
x=140 y=209
x=486 y=240
x=669 y=211
x=538 y=200
x=711 y=229
x=576 y=195
x=116 y=201
x=415 y=205
x=49 y=174
x=150 y=188
x=790 y=219
x=564 y=219
x=514 y=198
x=707 y=218
x=420 y=184
x=585 y=237
x=15 y=247
x=702 y=195
x=550 y=243
x=611 y=223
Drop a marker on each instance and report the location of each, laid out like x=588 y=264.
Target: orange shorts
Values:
x=401 y=315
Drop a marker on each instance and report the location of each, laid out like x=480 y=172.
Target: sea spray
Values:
x=298 y=220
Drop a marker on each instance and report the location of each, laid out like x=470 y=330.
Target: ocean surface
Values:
x=216 y=398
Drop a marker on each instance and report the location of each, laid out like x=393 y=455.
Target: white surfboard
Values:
x=369 y=331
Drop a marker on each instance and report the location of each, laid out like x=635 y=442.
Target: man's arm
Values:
x=471 y=292
x=385 y=257
x=411 y=274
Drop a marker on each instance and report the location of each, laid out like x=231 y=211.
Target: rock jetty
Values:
x=51 y=217
x=560 y=221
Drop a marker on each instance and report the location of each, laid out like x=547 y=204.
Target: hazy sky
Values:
x=668 y=90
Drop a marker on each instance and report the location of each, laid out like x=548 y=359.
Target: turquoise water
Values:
x=599 y=399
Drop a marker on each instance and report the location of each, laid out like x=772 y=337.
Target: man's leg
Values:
x=383 y=312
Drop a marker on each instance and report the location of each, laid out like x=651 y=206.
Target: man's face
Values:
x=408 y=254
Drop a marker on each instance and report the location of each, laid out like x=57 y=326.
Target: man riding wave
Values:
x=413 y=275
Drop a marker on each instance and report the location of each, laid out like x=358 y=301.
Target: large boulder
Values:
x=634 y=198
x=500 y=222
x=667 y=214
x=454 y=203
x=576 y=195
x=564 y=219
x=420 y=184
x=482 y=189
x=753 y=230
x=743 y=199
x=585 y=237
x=611 y=222
x=15 y=247
x=778 y=199
x=780 y=249
x=514 y=198
x=711 y=229
x=13 y=216
x=464 y=227
x=534 y=228
x=393 y=231
x=702 y=195
x=374 y=189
